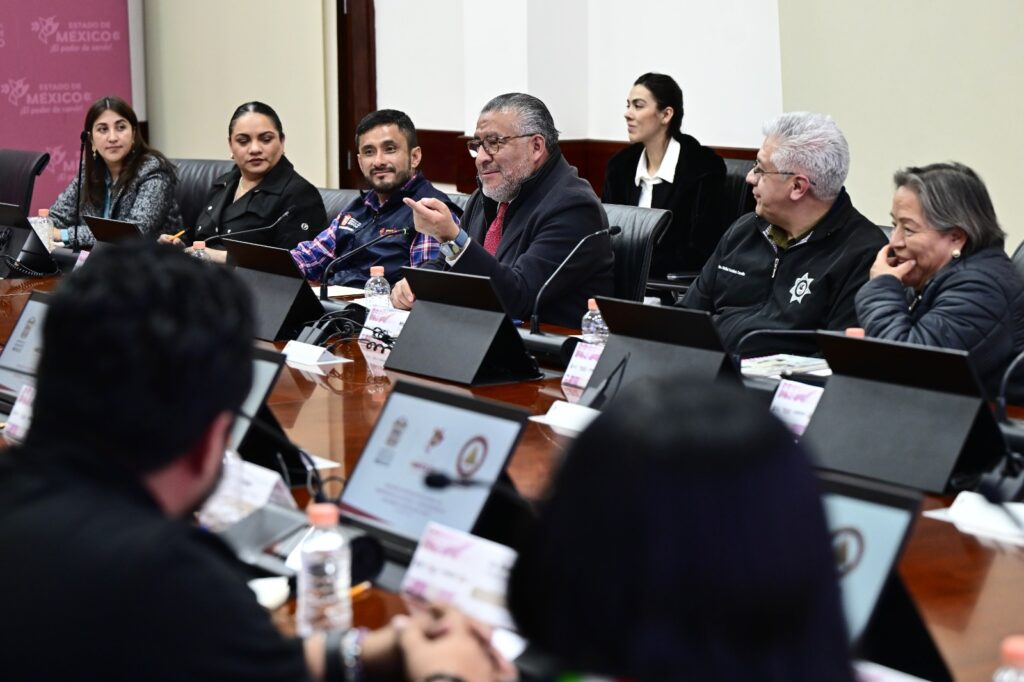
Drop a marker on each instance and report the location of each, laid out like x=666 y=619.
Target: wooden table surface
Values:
x=970 y=594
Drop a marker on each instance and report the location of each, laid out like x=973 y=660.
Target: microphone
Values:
x=221 y=237
x=535 y=317
x=438 y=480
x=1005 y=483
x=596 y=396
x=84 y=137
x=811 y=333
x=359 y=249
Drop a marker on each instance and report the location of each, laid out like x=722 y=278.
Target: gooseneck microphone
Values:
x=738 y=349
x=535 y=317
x=271 y=226
x=348 y=254
x=78 y=189
x=438 y=480
x=1005 y=483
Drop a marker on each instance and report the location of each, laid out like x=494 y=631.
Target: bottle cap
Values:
x=377 y=271
x=323 y=514
x=857 y=332
x=1012 y=650
x=44 y=213
x=198 y=245
x=591 y=304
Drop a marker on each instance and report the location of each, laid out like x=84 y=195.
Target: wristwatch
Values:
x=453 y=248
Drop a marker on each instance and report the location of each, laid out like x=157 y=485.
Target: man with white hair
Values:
x=797 y=261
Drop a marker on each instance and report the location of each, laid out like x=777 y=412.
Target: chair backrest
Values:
x=1018 y=259
x=195 y=178
x=739 y=199
x=18 y=171
x=634 y=246
x=459 y=199
x=336 y=199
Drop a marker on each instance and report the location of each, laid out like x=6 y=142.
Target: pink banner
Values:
x=56 y=58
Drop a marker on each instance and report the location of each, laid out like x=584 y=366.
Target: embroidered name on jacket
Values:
x=801 y=287
x=732 y=270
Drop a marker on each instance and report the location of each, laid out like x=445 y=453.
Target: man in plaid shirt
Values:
x=389 y=158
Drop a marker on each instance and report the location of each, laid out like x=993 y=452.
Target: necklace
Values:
x=242 y=189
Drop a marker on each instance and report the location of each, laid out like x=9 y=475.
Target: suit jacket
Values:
x=261 y=206
x=554 y=210
x=695 y=197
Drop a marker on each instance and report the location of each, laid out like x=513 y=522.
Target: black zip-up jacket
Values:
x=749 y=283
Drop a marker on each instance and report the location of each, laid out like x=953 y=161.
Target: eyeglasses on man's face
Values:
x=759 y=172
x=491 y=144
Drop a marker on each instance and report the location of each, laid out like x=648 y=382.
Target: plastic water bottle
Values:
x=377 y=290
x=44 y=227
x=325 y=576
x=1012 y=654
x=594 y=328
x=199 y=251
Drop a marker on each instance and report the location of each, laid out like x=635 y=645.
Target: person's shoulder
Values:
x=626 y=158
x=706 y=159
x=152 y=165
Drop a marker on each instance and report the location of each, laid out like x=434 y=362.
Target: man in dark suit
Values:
x=530 y=211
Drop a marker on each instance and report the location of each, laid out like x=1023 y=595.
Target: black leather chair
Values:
x=738 y=196
x=335 y=200
x=634 y=246
x=1018 y=259
x=195 y=178
x=18 y=171
x=459 y=199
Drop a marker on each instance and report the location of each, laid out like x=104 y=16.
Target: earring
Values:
x=95 y=154
x=956 y=253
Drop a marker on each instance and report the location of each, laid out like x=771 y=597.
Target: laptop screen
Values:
x=20 y=355
x=25 y=344
x=266 y=365
x=422 y=430
x=868 y=524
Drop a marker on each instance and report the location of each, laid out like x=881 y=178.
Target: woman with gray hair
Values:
x=944 y=278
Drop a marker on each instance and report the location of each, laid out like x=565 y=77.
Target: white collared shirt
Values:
x=666 y=172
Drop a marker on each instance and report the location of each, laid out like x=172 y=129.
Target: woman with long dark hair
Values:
x=123 y=178
x=664 y=168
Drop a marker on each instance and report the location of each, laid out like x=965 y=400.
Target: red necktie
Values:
x=493 y=235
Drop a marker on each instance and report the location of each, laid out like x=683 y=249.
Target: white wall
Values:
x=581 y=57
x=205 y=57
x=723 y=53
x=914 y=82
x=424 y=78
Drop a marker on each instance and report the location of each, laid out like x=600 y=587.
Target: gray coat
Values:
x=148 y=201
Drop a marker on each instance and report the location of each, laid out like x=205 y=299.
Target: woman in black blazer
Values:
x=664 y=168
x=263 y=188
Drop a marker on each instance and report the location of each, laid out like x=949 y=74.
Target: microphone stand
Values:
x=78 y=189
x=345 y=256
x=556 y=346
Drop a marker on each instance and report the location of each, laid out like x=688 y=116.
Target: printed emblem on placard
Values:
x=471 y=456
x=801 y=287
x=847 y=549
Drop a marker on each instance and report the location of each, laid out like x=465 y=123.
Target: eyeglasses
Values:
x=491 y=144
x=758 y=171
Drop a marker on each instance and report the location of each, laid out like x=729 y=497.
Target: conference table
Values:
x=969 y=593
